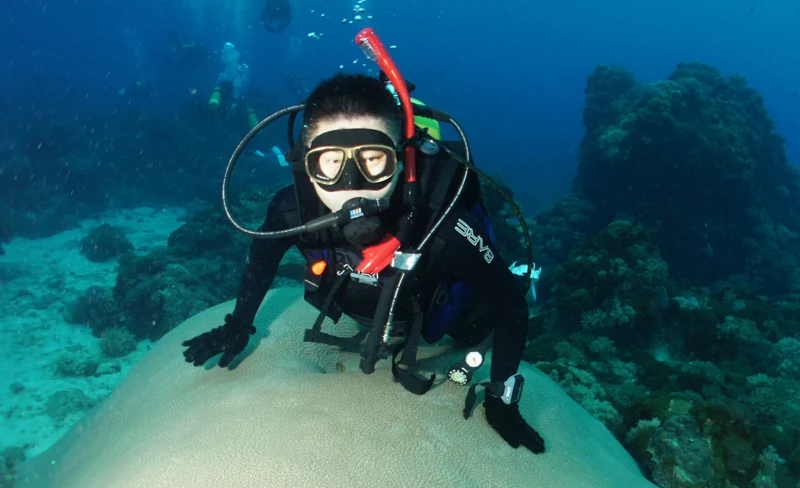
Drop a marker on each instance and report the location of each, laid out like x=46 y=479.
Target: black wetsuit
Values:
x=483 y=271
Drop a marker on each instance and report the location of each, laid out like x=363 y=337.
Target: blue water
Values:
x=513 y=74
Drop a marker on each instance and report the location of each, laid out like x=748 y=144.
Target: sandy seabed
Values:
x=39 y=280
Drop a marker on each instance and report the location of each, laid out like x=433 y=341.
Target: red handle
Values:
x=379 y=256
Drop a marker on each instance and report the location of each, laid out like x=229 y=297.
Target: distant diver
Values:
x=137 y=89
x=190 y=54
x=225 y=107
x=277 y=15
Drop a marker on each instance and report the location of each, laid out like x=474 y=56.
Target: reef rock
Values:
x=290 y=413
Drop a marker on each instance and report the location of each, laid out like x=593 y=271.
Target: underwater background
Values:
x=651 y=146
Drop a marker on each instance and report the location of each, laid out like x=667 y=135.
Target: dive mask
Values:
x=351 y=159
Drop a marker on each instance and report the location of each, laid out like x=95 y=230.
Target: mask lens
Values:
x=325 y=164
x=377 y=163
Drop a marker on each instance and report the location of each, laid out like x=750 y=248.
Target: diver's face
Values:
x=335 y=198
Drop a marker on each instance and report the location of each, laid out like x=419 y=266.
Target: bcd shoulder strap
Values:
x=447 y=173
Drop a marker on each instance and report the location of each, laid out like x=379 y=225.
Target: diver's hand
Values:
x=508 y=422
x=229 y=339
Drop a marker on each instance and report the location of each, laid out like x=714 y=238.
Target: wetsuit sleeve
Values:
x=471 y=258
x=263 y=259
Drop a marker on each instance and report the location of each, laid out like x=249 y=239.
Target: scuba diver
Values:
x=191 y=54
x=390 y=221
x=277 y=15
x=223 y=106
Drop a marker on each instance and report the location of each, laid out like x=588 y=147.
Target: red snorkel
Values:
x=373 y=48
x=379 y=256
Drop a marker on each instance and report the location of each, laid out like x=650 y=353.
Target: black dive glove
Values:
x=508 y=422
x=230 y=339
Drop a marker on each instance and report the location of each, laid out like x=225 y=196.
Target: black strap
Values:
x=472 y=396
x=492 y=387
x=411 y=345
x=315 y=334
x=406 y=376
x=439 y=193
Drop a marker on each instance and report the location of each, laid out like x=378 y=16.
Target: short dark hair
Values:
x=351 y=95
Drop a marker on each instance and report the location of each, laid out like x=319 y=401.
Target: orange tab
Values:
x=319 y=267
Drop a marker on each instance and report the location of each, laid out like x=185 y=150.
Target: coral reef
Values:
x=696 y=157
x=673 y=269
x=117 y=342
x=10 y=459
x=156 y=292
x=97 y=309
x=200 y=267
x=681 y=455
x=104 y=243
x=64 y=403
x=614 y=284
x=75 y=365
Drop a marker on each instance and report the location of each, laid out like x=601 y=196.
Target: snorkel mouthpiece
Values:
x=373 y=48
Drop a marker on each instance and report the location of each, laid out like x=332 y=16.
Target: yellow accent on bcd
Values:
x=434 y=130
